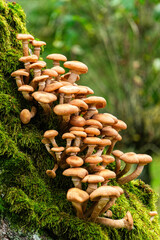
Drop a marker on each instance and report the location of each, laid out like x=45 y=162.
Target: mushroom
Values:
x=106 y=174
x=93 y=123
x=126 y=222
x=41 y=80
x=143 y=160
x=27 y=60
x=91 y=131
x=59 y=70
x=51 y=134
x=79 y=135
x=152 y=214
x=58 y=151
x=26 y=115
x=107 y=159
x=117 y=154
x=46 y=142
x=69 y=137
x=93 y=160
x=115 y=139
x=77 y=174
x=53 y=87
x=56 y=57
x=25 y=38
x=74 y=161
x=65 y=110
x=94 y=103
x=102 y=195
x=80 y=104
x=78 y=197
x=102 y=145
x=72 y=150
x=51 y=73
x=37 y=47
x=52 y=173
x=44 y=99
x=18 y=74
x=37 y=68
x=26 y=89
x=76 y=68
x=104 y=119
x=67 y=92
x=77 y=121
x=92 y=142
x=92 y=181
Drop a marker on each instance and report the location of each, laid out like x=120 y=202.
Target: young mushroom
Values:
x=41 y=80
x=50 y=135
x=25 y=38
x=77 y=174
x=26 y=90
x=26 y=115
x=51 y=73
x=58 y=151
x=37 y=47
x=65 y=110
x=92 y=142
x=18 y=76
x=92 y=181
x=69 y=137
x=52 y=173
x=56 y=57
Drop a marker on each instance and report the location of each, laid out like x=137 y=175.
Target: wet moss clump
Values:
x=29 y=198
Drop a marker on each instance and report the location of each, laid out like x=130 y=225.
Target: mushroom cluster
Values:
x=89 y=137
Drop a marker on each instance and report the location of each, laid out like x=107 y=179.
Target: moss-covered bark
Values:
x=28 y=197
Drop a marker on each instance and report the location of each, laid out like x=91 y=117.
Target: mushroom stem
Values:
x=41 y=86
x=61 y=98
x=27 y=96
x=90 y=150
x=33 y=111
x=77 y=142
x=118 y=165
x=19 y=81
x=73 y=77
x=53 y=141
x=77 y=182
x=132 y=176
x=25 y=47
x=109 y=205
x=90 y=112
x=46 y=107
x=91 y=187
x=98 y=208
x=79 y=211
x=110 y=149
x=37 y=51
x=125 y=170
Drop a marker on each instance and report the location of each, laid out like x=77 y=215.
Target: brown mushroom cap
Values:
x=117 y=153
x=104 y=191
x=50 y=72
x=144 y=159
x=57 y=57
x=89 y=91
x=112 y=116
x=121 y=191
x=38 y=65
x=25 y=116
x=92 y=140
x=72 y=150
x=76 y=129
x=77 y=121
x=99 y=102
x=53 y=86
x=102 y=118
x=79 y=134
x=50 y=133
x=26 y=88
x=82 y=90
x=40 y=78
x=109 y=131
x=75 y=172
x=77 y=195
x=153 y=213
x=19 y=73
x=76 y=66
x=74 y=161
x=130 y=157
x=107 y=159
x=80 y=104
x=36 y=43
x=68 y=135
x=22 y=36
x=92 y=131
x=104 y=142
x=65 y=109
x=44 y=97
x=68 y=89
x=59 y=69
x=92 y=178
x=57 y=149
x=107 y=174
x=31 y=58
x=93 y=159
x=120 y=125
x=45 y=141
x=93 y=122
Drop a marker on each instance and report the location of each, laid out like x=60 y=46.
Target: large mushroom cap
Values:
x=65 y=109
x=68 y=135
x=40 y=78
x=77 y=195
x=104 y=142
x=22 y=36
x=120 y=125
x=53 y=87
x=76 y=66
x=80 y=104
x=92 y=178
x=44 y=97
x=104 y=119
x=69 y=89
x=92 y=131
x=74 y=161
x=57 y=57
x=75 y=172
x=107 y=159
x=93 y=122
x=79 y=134
x=104 y=191
x=50 y=133
x=109 y=131
x=32 y=58
x=130 y=157
x=59 y=69
x=100 y=102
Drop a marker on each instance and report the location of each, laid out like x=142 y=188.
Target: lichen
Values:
x=29 y=198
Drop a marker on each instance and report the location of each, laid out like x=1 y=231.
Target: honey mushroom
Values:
x=93 y=160
x=106 y=174
x=59 y=70
x=69 y=137
x=56 y=57
x=102 y=145
x=37 y=46
x=41 y=81
x=83 y=92
x=27 y=60
x=50 y=135
x=65 y=110
x=52 y=173
x=67 y=92
x=117 y=154
x=107 y=159
x=92 y=181
x=25 y=38
x=26 y=90
x=79 y=135
x=19 y=76
x=37 y=68
x=53 y=87
x=58 y=152
x=92 y=142
x=77 y=173
x=80 y=104
x=26 y=115
x=51 y=73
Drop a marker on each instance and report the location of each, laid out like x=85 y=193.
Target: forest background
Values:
x=119 y=40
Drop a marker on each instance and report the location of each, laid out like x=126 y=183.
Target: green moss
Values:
x=31 y=199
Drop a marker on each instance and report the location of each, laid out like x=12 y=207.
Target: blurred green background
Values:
x=119 y=40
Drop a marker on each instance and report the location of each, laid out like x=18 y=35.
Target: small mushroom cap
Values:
x=100 y=102
x=57 y=149
x=104 y=191
x=45 y=141
x=76 y=66
x=77 y=121
x=32 y=58
x=68 y=89
x=65 y=109
x=93 y=179
x=68 y=135
x=104 y=142
x=130 y=157
x=144 y=159
x=92 y=141
x=74 y=161
x=95 y=123
x=107 y=174
x=79 y=134
x=26 y=88
x=105 y=120
x=21 y=36
x=38 y=65
x=51 y=173
x=92 y=131
x=59 y=69
x=107 y=159
x=75 y=172
x=50 y=72
x=76 y=129
x=80 y=104
x=25 y=116
x=109 y=131
x=36 y=43
x=153 y=213
x=117 y=153
x=120 y=125
x=41 y=78
x=72 y=150
x=44 y=97
x=77 y=195
x=50 y=133
x=19 y=73
x=53 y=87
x=57 y=57
x=93 y=159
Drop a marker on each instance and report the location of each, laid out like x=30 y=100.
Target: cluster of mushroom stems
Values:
x=88 y=137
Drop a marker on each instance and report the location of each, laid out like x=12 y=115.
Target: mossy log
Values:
x=28 y=197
